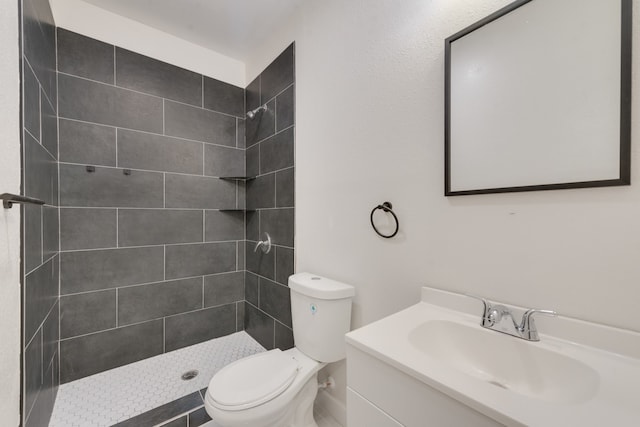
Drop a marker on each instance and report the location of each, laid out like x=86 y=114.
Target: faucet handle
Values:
x=528 y=326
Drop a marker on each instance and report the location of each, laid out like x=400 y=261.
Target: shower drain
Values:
x=189 y=375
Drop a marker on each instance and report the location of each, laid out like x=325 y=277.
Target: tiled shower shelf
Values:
x=238 y=178
x=116 y=395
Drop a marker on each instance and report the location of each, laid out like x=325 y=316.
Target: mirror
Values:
x=538 y=97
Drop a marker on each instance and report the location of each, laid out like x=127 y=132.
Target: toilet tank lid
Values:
x=319 y=287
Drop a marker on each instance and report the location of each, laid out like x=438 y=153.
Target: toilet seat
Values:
x=252 y=381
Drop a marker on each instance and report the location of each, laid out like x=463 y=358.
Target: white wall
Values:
x=9 y=218
x=100 y=24
x=369 y=128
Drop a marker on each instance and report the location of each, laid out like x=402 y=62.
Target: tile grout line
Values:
x=141 y=322
x=69 y=119
x=150 y=95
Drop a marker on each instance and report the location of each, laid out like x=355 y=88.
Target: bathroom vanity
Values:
x=434 y=365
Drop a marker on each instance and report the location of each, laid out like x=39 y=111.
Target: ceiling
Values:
x=230 y=27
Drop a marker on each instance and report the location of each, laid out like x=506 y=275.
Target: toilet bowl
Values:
x=274 y=388
x=277 y=388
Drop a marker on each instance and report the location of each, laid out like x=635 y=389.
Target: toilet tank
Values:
x=321 y=315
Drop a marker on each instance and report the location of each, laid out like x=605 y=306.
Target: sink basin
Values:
x=507 y=362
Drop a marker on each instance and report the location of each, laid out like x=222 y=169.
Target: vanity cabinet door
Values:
x=409 y=401
x=363 y=413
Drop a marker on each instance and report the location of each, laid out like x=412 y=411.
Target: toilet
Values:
x=277 y=388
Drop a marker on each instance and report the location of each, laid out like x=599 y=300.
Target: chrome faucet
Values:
x=499 y=318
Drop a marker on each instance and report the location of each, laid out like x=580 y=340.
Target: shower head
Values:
x=251 y=114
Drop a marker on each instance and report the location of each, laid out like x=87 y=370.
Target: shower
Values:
x=252 y=114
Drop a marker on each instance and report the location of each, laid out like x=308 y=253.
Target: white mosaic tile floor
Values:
x=118 y=394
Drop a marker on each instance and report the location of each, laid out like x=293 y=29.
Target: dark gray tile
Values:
x=86 y=313
x=198 y=417
x=87 y=228
x=241 y=250
x=285 y=109
x=108 y=105
x=94 y=270
x=87 y=143
x=253 y=226
x=108 y=187
x=279 y=224
x=50 y=235
x=139 y=227
x=259 y=262
x=203 y=393
x=85 y=57
x=222 y=226
x=49 y=123
x=141 y=150
x=241 y=140
x=240 y=316
x=196 y=192
x=251 y=291
x=31 y=101
x=195 y=123
x=283 y=337
x=277 y=152
x=51 y=334
x=223 y=161
x=180 y=422
x=285 y=188
x=200 y=259
x=32 y=236
x=259 y=325
x=223 y=97
x=261 y=192
x=148 y=75
x=275 y=301
x=32 y=370
x=56 y=373
x=223 y=289
x=40 y=172
x=90 y=354
x=262 y=126
x=242 y=194
x=145 y=302
x=252 y=94
x=39 y=43
x=198 y=326
x=284 y=264
x=278 y=75
x=253 y=160
x=165 y=412
x=43 y=406
x=40 y=295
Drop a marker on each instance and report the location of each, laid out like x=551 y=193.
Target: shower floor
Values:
x=116 y=395
x=153 y=387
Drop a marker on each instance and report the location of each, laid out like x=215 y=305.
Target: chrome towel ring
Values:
x=387 y=207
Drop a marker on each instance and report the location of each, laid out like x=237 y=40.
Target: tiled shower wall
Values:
x=270 y=199
x=40 y=223
x=152 y=241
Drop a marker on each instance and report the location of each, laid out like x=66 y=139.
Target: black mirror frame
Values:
x=625 y=109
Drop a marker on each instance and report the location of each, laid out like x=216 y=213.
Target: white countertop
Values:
x=614 y=401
